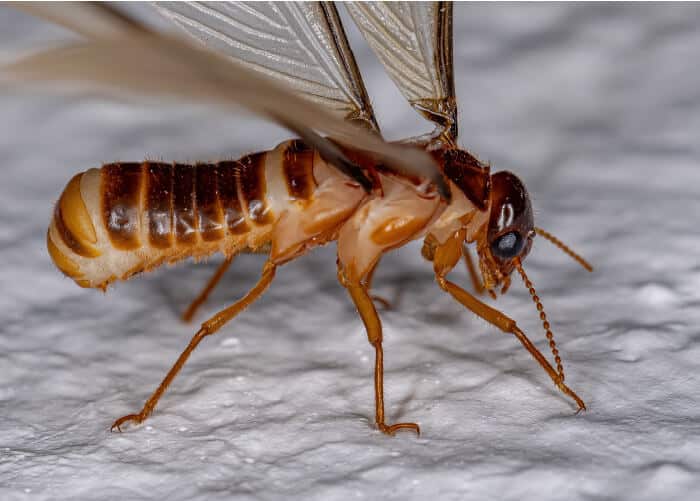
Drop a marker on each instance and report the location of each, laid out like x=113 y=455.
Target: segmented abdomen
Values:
x=124 y=218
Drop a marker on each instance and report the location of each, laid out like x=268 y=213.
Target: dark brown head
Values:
x=509 y=232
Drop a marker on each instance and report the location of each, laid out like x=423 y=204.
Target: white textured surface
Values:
x=597 y=107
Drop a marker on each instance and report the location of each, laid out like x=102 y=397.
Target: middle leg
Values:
x=363 y=302
x=386 y=304
x=213 y=281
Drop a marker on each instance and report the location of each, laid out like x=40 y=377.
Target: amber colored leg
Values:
x=508 y=325
x=445 y=259
x=199 y=301
x=209 y=327
x=365 y=306
x=476 y=281
x=386 y=304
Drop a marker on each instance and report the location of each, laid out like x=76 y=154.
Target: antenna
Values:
x=564 y=247
x=543 y=317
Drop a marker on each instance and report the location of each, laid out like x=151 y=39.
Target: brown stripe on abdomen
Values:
x=184 y=204
x=227 y=184
x=297 y=164
x=159 y=202
x=121 y=203
x=251 y=180
x=73 y=221
x=179 y=204
x=211 y=217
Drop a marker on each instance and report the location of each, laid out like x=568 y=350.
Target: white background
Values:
x=596 y=107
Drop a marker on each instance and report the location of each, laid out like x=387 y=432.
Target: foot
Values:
x=134 y=418
x=566 y=390
x=392 y=429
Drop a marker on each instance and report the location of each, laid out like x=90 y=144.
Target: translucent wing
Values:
x=300 y=44
x=414 y=42
x=90 y=19
x=144 y=63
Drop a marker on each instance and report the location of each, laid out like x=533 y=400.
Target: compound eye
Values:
x=508 y=246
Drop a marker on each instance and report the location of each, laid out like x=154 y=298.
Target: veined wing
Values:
x=300 y=44
x=90 y=19
x=145 y=63
x=414 y=42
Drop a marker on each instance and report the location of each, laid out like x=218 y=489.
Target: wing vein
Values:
x=293 y=43
x=329 y=68
x=237 y=44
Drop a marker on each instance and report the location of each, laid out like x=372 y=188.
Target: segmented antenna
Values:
x=564 y=247
x=543 y=317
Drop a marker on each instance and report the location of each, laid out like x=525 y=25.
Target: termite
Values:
x=351 y=187
x=125 y=218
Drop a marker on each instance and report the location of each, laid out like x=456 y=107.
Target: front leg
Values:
x=473 y=274
x=446 y=257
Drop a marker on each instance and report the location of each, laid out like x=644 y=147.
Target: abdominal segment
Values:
x=123 y=218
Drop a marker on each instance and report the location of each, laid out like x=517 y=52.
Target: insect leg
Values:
x=199 y=300
x=446 y=256
x=476 y=281
x=386 y=304
x=363 y=302
x=209 y=327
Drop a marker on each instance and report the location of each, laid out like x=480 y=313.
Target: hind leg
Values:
x=209 y=327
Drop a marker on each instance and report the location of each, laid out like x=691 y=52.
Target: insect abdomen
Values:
x=166 y=206
x=123 y=218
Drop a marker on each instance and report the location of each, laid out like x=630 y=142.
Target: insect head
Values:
x=508 y=236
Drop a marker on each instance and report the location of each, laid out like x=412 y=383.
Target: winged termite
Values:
x=348 y=186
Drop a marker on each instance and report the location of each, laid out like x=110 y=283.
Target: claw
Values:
x=392 y=429
x=136 y=418
x=568 y=391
